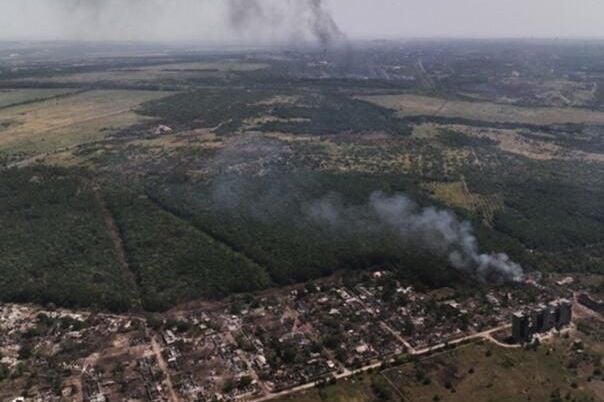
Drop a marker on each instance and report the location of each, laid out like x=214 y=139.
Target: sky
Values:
x=471 y=18
x=255 y=21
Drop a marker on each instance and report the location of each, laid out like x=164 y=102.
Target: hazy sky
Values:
x=471 y=18
x=267 y=20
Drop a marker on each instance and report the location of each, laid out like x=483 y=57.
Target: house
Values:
x=162 y=129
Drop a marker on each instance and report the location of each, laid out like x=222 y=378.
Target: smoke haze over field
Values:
x=264 y=21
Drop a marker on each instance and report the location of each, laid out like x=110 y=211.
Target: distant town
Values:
x=263 y=346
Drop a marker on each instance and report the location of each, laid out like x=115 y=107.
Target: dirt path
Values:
x=127 y=274
x=348 y=373
x=164 y=367
x=480 y=335
x=394 y=387
x=491 y=338
x=398 y=337
x=253 y=372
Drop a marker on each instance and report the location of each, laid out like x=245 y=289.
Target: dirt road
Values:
x=164 y=367
x=416 y=352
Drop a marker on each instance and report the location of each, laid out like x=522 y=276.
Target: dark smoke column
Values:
x=315 y=20
x=324 y=27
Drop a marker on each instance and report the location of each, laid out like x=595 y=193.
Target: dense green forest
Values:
x=181 y=242
x=313 y=111
x=174 y=261
x=331 y=114
x=54 y=245
x=265 y=218
x=572 y=215
x=224 y=109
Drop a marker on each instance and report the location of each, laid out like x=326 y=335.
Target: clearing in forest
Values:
x=412 y=105
x=59 y=123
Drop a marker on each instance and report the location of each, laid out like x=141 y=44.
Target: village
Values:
x=254 y=346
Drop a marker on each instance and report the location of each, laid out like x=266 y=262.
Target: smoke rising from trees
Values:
x=438 y=231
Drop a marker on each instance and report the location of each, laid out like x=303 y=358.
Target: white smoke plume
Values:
x=438 y=231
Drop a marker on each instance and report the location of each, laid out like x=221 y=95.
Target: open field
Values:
x=157 y=73
x=536 y=148
x=486 y=373
x=412 y=105
x=354 y=389
x=457 y=194
x=483 y=372
x=59 y=123
x=9 y=97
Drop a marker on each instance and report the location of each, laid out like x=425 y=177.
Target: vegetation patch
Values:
x=175 y=262
x=50 y=126
x=480 y=371
x=412 y=105
x=54 y=243
x=17 y=97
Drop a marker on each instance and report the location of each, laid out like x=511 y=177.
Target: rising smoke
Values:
x=438 y=231
x=324 y=26
x=202 y=21
x=312 y=18
x=279 y=200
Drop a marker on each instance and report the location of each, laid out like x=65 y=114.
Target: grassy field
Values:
x=157 y=73
x=457 y=194
x=355 y=389
x=484 y=372
x=9 y=97
x=59 y=123
x=411 y=105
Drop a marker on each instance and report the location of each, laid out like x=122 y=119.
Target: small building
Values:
x=162 y=129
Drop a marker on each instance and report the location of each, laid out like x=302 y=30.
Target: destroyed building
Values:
x=540 y=319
